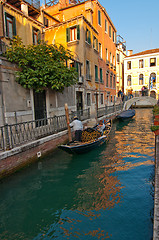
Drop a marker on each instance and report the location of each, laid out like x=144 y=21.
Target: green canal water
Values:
x=104 y=194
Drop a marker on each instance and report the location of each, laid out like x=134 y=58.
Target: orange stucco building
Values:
x=88 y=32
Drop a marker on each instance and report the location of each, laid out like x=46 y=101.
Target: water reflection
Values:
x=104 y=194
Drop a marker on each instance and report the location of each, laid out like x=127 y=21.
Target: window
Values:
x=96 y=73
x=88 y=36
x=73 y=33
x=101 y=75
x=141 y=79
x=113 y=36
x=152 y=62
x=88 y=77
x=114 y=82
x=10 y=23
x=106 y=27
x=101 y=98
x=141 y=63
x=100 y=50
x=106 y=54
x=152 y=80
x=99 y=17
x=95 y=43
x=128 y=65
x=111 y=98
x=110 y=31
x=88 y=99
x=46 y=22
x=118 y=57
x=110 y=57
x=129 y=80
x=107 y=81
x=36 y=36
x=111 y=81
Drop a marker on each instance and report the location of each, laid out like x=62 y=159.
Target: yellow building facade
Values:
x=88 y=32
x=141 y=72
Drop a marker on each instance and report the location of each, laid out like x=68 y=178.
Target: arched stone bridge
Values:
x=143 y=101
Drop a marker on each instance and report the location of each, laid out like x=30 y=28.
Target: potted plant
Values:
x=156 y=111
x=155 y=129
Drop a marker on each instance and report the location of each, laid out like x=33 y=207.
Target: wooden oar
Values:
x=68 y=122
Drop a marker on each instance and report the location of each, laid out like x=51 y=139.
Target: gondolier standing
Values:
x=77 y=127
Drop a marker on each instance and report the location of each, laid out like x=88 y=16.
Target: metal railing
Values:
x=13 y=135
x=109 y=110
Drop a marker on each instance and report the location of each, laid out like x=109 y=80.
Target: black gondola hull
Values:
x=83 y=148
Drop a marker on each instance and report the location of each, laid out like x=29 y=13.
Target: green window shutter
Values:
x=78 y=32
x=97 y=44
x=68 y=34
x=39 y=36
x=14 y=27
x=89 y=37
x=33 y=35
x=6 y=24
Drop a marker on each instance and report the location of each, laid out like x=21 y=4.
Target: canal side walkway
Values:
x=14 y=159
x=156 y=193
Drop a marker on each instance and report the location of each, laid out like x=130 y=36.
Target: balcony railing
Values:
x=34 y=3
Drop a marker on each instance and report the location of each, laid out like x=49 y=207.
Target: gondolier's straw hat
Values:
x=75 y=117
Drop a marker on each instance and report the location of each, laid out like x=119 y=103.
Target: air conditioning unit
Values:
x=81 y=79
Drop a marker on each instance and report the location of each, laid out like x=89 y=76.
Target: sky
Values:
x=136 y=21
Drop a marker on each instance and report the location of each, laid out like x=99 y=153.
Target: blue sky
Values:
x=136 y=21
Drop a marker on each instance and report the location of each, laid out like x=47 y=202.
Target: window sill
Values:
x=73 y=43
x=88 y=44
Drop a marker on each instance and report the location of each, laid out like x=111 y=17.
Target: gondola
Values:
x=94 y=139
x=127 y=114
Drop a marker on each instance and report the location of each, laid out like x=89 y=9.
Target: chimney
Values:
x=24 y=8
x=63 y=3
x=130 y=52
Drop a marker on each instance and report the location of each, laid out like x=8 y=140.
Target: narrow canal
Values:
x=104 y=194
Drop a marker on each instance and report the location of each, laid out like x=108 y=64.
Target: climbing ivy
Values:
x=41 y=66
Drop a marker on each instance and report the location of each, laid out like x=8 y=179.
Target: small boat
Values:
x=126 y=114
x=94 y=137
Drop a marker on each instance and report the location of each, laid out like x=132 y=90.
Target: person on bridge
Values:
x=77 y=127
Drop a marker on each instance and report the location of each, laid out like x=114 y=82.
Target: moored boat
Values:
x=126 y=114
x=94 y=139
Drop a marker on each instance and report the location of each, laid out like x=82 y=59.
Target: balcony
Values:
x=80 y=79
x=33 y=6
x=88 y=77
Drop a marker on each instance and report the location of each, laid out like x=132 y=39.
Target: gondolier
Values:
x=77 y=127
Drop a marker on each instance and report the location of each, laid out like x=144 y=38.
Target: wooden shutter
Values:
x=6 y=24
x=68 y=34
x=39 y=36
x=14 y=27
x=78 y=32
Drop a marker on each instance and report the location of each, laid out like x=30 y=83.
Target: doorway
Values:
x=40 y=106
x=79 y=101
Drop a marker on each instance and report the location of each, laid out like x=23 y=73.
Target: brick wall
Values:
x=28 y=154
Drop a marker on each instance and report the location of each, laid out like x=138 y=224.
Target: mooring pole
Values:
x=68 y=122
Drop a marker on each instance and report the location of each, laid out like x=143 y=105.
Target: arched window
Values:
x=141 y=79
x=153 y=80
x=129 y=80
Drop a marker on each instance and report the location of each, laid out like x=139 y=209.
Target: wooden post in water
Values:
x=68 y=122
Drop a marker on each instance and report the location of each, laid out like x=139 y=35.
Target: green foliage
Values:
x=42 y=66
x=156 y=109
x=154 y=128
